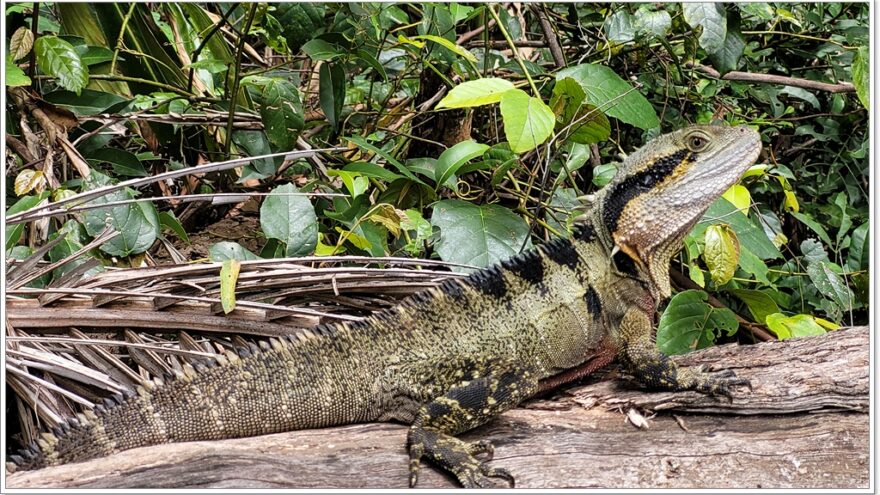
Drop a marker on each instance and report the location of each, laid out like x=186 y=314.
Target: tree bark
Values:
x=804 y=424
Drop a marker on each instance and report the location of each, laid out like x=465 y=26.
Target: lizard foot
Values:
x=454 y=456
x=720 y=383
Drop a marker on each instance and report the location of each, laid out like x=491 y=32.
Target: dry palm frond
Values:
x=70 y=345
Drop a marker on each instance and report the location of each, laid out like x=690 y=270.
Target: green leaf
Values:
x=58 y=58
x=372 y=62
x=861 y=75
x=318 y=49
x=449 y=45
x=727 y=57
x=858 y=257
x=368 y=169
x=603 y=174
x=228 y=278
x=225 y=250
x=477 y=235
x=787 y=327
x=750 y=235
x=353 y=181
x=528 y=121
x=761 y=10
x=137 y=223
x=475 y=93
x=568 y=103
x=93 y=55
x=255 y=143
x=123 y=162
x=815 y=226
x=290 y=219
x=14 y=76
x=13 y=232
x=830 y=285
x=721 y=252
x=690 y=323
x=169 y=220
x=759 y=303
x=331 y=92
x=753 y=265
x=613 y=95
x=711 y=17
x=656 y=23
x=739 y=196
x=363 y=144
x=620 y=27
x=453 y=158
x=281 y=113
x=88 y=102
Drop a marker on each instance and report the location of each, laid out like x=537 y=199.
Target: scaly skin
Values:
x=453 y=357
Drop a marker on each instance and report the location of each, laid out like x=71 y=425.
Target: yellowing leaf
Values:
x=791 y=202
x=830 y=325
x=409 y=41
x=787 y=327
x=21 y=43
x=449 y=45
x=387 y=216
x=228 y=279
x=28 y=180
x=475 y=93
x=738 y=196
x=721 y=253
x=758 y=170
x=359 y=241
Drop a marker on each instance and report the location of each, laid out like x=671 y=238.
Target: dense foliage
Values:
x=460 y=131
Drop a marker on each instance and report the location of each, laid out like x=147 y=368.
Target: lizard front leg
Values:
x=639 y=354
x=463 y=407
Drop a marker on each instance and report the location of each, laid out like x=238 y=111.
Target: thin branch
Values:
x=549 y=35
x=843 y=87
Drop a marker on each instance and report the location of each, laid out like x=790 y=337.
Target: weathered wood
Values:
x=581 y=439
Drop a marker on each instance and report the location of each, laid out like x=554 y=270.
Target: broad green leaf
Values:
x=58 y=58
x=620 y=27
x=753 y=265
x=363 y=144
x=759 y=303
x=453 y=158
x=123 y=162
x=861 y=75
x=475 y=93
x=255 y=143
x=711 y=17
x=613 y=95
x=353 y=181
x=372 y=62
x=813 y=251
x=727 y=57
x=761 y=10
x=588 y=124
x=750 y=235
x=137 y=223
x=830 y=285
x=739 y=196
x=27 y=180
x=281 y=113
x=721 y=252
x=562 y=210
x=14 y=76
x=93 y=55
x=690 y=323
x=290 y=219
x=228 y=278
x=413 y=221
x=318 y=49
x=788 y=327
x=528 y=121
x=603 y=174
x=20 y=44
x=331 y=91
x=656 y=23
x=449 y=45
x=226 y=250
x=477 y=235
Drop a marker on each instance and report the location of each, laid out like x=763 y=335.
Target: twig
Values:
x=236 y=78
x=516 y=54
x=198 y=51
x=549 y=35
x=464 y=38
x=843 y=87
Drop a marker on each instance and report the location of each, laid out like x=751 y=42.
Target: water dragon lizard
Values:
x=451 y=358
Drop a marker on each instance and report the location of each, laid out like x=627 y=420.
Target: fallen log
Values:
x=805 y=424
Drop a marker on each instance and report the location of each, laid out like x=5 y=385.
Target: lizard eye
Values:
x=697 y=142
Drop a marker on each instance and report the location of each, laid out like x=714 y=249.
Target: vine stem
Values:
x=516 y=54
x=236 y=79
x=120 y=39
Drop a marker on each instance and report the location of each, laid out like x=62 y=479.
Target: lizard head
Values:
x=662 y=190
